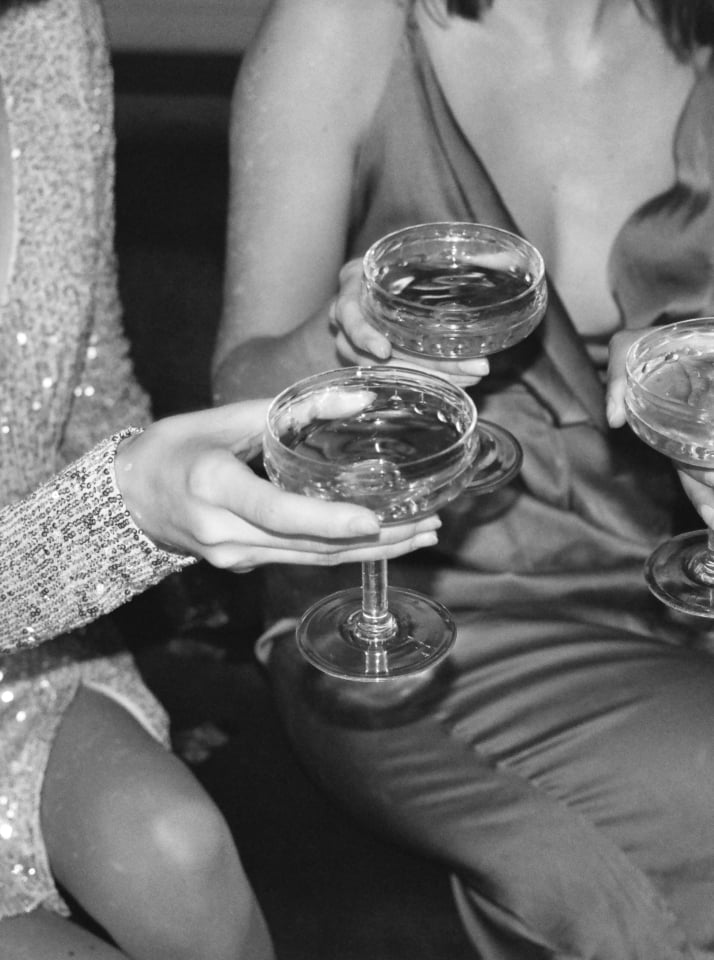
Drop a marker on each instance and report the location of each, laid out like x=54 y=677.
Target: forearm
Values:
x=71 y=552
x=264 y=366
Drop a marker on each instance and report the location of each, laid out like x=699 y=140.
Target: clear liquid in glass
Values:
x=450 y=286
x=403 y=443
x=669 y=401
x=380 y=451
x=453 y=290
x=670 y=404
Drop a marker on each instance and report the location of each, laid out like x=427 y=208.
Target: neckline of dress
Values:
x=704 y=73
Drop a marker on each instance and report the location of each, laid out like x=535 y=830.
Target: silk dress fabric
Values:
x=69 y=551
x=561 y=764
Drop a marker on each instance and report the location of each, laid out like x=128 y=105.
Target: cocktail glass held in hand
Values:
x=669 y=402
x=458 y=290
x=403 y=443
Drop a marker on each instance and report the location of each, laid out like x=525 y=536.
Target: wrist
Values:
x=125 y=474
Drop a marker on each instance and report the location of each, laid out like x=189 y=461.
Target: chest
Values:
x=573 y=148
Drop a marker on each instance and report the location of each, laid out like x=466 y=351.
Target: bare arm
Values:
x=306 y=91
x=88 y=539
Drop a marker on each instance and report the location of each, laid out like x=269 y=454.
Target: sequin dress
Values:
x=70 y=551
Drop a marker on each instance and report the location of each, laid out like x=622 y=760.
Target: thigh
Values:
x=42 y=935
x=131 y=833
x=104 y=769
x=562 y=770
x=139 y=843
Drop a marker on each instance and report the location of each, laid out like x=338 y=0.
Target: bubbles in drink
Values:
x=683 y=378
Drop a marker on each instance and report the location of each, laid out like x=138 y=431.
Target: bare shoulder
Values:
x=327 y=53
x=343 y=24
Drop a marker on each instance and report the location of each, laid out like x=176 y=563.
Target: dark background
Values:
x=329 y=889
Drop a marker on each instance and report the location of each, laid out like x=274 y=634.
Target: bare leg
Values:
x=136 y=840
x=42 y=935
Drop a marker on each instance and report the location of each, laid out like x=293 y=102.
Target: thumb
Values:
x=617 y=377
x=237 y=427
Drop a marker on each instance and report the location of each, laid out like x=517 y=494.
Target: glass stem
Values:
x=375 y=623
x=701 y=565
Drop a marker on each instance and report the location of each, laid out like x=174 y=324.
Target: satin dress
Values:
x=561 y=764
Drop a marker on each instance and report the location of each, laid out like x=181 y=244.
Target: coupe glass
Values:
x=669 y=401
x=403 y=443
x=458 y=290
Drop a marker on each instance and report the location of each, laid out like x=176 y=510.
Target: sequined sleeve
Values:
x=71 y=551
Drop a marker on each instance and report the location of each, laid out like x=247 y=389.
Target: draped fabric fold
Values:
x=561 y=764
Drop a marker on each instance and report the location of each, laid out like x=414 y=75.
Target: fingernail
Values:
x=380 y=349
x=363 y=525
x=426 y=540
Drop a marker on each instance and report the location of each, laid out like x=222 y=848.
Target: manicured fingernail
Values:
x=363 y=525
x=425 y=540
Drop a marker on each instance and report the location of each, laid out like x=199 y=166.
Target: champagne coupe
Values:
x=403 y=443
x=458 y=290
x=669 y=401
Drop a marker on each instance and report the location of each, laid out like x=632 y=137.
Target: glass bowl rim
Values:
x=632 y=358
x=369 y=258
x=356 y=373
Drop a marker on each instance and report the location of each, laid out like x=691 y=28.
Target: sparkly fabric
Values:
x=70 y=551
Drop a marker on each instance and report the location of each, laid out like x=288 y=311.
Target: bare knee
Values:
x=190 y=838
x=142 y=847
x=202 y=903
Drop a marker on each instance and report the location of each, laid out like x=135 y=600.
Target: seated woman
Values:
x=561 y=766
x=92 y=511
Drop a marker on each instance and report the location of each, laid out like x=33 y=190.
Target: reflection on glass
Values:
x=458 y=290
x=402 y=443
x=669 y=402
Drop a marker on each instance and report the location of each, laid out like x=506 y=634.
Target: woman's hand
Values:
x=185 y=482
x=616 y=376
x=698 y=484
x=358 y=342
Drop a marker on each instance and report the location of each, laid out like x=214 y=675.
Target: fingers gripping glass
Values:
x=669 y=402
x=402 y=443
x=458 y=290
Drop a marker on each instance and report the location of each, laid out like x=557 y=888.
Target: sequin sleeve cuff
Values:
x=71 y=552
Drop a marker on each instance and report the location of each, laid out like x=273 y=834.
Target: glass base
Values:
x=425 y=633
x=499 y=459
x=670 y=575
